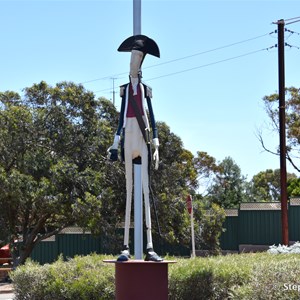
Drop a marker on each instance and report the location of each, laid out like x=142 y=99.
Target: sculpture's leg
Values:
x=128 y=171
x=150 y=254
x=145 y=182
x=125 y=255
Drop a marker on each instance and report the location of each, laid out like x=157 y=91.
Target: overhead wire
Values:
x=296 y=18
x=198 y=67
x=201 y=66
x=209 y=64
x=292 y=19
x=180 y=58
x=208 y=51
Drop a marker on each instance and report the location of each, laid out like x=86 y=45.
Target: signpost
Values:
x=189 y=204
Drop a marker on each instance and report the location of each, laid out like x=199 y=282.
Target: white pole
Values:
x=137 y=12
x=138 y=194
x=193 y=234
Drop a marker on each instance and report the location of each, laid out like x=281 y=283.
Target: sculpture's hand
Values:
x=112 y=152
x=155 y=154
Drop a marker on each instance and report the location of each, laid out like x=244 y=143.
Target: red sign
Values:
x=189 y=203
x=5 y=255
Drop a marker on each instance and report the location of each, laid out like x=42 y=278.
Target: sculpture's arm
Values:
x=113 y=150
x=153 y=126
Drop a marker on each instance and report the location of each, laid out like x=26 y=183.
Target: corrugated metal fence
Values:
x=73 y=241
x=69 y=242
x=251 y=224
x=259 y=224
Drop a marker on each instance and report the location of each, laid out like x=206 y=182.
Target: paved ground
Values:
x=7 y=296
x=6 y=291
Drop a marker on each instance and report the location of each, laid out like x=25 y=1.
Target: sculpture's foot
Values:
x=125 y=255
x=152 y=256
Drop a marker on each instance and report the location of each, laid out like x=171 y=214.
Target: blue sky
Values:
x=208 y=84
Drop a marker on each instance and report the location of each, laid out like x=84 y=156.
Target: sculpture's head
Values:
x=139 y=46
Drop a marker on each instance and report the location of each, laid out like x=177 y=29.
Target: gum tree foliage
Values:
x=292 y=110
x=206 y=167
x=265 y=186
x=228 y=185
x=175 y=178
x=209 y=227
x=52 y=165
x=293 y=187
x=54 y=171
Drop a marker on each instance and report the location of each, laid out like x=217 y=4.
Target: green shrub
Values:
x=206 y=278
x=30 y=281
x=80 y=278
x=272 y=277
x=212 y=228
x=242 y=276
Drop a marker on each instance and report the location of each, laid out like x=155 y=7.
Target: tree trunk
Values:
x=21 y=252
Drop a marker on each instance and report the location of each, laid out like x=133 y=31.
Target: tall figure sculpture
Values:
x=134 y=126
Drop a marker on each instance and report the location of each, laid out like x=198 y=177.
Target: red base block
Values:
x=141 y=280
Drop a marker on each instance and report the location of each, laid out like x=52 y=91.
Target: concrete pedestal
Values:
x=141 y=280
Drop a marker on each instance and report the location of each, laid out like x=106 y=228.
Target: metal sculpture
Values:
x=135 y=130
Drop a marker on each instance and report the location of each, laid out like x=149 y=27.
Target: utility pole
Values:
x=282 y=134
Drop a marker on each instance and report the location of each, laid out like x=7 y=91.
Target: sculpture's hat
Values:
x=141 y=43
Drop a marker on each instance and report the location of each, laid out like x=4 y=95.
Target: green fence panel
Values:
x=294 y=220
x=45 y=251
x=253 y=223
x=71 y=245
x=229 y=238
x=259 y=227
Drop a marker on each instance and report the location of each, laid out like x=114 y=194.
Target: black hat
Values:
x=141 y=43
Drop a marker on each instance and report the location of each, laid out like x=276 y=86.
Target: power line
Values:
x=292 y=46
x=182 y=58
x=292 y=32
x=106 y=77
x=211 y=50
x=201 y=66
x=292 y=19
x=209 y=64
x=297 y=20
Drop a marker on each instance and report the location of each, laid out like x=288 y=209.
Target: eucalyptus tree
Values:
x=228 y=185
x=54 y=171
x=53 y=168
x=292 y=110
x=265 y=186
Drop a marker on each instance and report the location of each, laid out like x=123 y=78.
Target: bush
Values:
x=241 y=276
x=272 y=277
x=79 y=278
x=207 y=278
x=211 y=223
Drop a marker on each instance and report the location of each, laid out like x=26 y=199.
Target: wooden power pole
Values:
x=282 y=134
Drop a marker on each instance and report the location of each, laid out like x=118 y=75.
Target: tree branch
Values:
x=259 y=136
x=291 y=162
